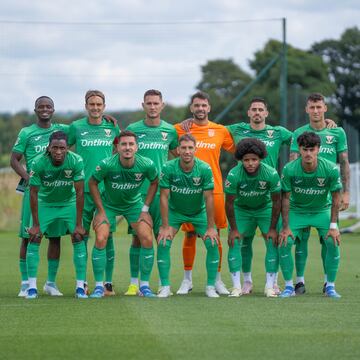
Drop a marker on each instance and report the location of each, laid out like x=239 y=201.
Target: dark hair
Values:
x=250 y=146
x=315 y=97
x=200 y=95
x=308 y=140
x=187 y=137
x=153 y=92
x=258 y=99
x=91 y=93
x=126 y=133
x=58 y=135
x=43 y=97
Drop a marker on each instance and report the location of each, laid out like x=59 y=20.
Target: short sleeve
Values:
x=79 y=170
x=208 y=179
x=35 y=179
x=20 y=143
x=101 y=171
x=275 y=185
x=152 y=172
x=285 y=180
x=231 y=183
x=164 y=177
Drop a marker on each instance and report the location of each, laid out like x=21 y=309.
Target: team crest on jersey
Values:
x=321 y=181
x=270 y=133
x=262 y=185
x=161 y=175
x=211 y=132
x=31 y=173
x=107 y=132
x=68 y=173
x=227 y=183
x=329 y=139
x=196 y=181
x=138 y=176
x=164 y=135
x=98 y=168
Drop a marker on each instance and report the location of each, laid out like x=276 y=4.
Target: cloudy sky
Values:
x=63 y=48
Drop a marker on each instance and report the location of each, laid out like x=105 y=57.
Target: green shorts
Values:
x=25 y=217
x=88 y=211
x=248 y=220
x=131 y=214
x=155 y=214
x=56 y=221
x=319 y=220
x=199 y=221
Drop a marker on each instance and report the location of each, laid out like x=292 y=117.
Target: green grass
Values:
x=190 y=327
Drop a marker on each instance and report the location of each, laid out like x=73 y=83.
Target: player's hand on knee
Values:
x=213 y=235
x=35 y=233
x=335 y=234
x=282 y=239
x=165 y=233
x=79 y=232
x=271 y=235
x=232 y=236
x=99 y=219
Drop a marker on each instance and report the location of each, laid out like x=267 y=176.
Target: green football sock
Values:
x=134 y=256
x=332 y=260
x=301 y=253
x=286 y=259
x=234 y=257
x=247 y=253
x=110 y=259
x=23 y=269
x=53 y=266
x=146 y=263
x=271 y=257
x=79 y=258
x=323 y=255
x=164 y=263
x=32 y=259
x=98 y=263
x=212 y=261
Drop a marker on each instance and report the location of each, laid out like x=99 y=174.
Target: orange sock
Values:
x=220 y=257
x=189 y=250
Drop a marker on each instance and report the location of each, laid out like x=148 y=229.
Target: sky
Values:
x=64 y=48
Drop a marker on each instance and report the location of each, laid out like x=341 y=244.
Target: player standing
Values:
x=57 y=200
x=93 y=138
x=334 y=148
x=210 y=139
x=32 y=141
x=252 y=199
x=155 y=139
x=185 y=183
x=306 y=185
x=123 y=175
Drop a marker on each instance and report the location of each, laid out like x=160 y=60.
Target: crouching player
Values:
x=57 y=201
x=185 y=183
x=306 y=186
x=123 y=175
x=252 y=199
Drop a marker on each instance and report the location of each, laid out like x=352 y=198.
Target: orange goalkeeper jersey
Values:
x=210 y=139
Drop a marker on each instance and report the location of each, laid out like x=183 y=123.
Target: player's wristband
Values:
x=333 y=226
x=145 y=208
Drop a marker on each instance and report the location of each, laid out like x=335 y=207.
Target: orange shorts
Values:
x=219 y=214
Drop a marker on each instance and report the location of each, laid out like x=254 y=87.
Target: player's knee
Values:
x=35 y=240
x=135 y=242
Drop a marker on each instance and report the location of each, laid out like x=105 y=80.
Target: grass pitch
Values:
x=181 y=327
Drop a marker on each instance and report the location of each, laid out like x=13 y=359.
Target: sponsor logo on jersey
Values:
x=141 y=136
x=246 y=131
x=125 y=186
x=176 y=180
x=58 y=183
x=211 y=132
x=309 y=191
x=37 y=138
x=46 y=176
x=161 y=175
x=116 y=177
x=98 y=168
x=31 y=173
x=326 y=150
x=329 y=139
x=138 y=176
x=243 y=186
x=196 y=181
x=107 y=132
x=262 y=185
x=97 y=142
x=297 y=181
x=40 y=148
x=321 y=181
x=270 y=133
x=204 y=145
x=84 y=133
x=152 y=146
x=164 y=135
x=68 y=173
x=185 y=190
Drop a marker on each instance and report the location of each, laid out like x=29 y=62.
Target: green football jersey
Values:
x=122 y=185
x=310 y=192
x=92 y=142
x=186 y=188
x=56 y=183
x=272 y=136
x=33 y=140
x=154 y=142
x=252 y=191
x=333 y=141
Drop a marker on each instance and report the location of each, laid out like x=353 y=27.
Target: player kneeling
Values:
x=57 y=199
x=185 y=182
x=253 y=200
x=123 y=175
